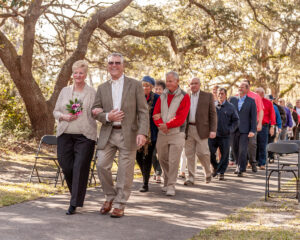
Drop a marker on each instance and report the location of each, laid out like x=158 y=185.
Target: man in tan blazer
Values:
x=201 y=125
x=121 y=107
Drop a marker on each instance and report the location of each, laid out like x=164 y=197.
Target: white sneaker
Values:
x=170 y=192
x=164 y=189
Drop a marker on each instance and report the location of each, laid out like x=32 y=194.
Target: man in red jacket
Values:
x=169 y=115
x=268 y=126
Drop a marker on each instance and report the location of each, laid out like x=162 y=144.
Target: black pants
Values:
x=239 y=147
x=252 y=148
x=223 y=144
x=271 y=140
x=75 y=152
x=145 y=161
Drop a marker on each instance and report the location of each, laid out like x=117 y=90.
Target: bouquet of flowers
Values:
x=74 y=107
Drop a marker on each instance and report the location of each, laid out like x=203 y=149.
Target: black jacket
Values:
x=228 y=119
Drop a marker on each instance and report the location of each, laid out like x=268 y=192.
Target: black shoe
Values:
x=144 y=188
x=221 y=176
x=254 y=168
x=240 y=174
x=71 y=210
x=214 y=173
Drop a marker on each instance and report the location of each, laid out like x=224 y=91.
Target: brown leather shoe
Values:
x=117 y=213
x=106 y=207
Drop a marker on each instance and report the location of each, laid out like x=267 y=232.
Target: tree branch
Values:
x=212 y=16
x=256 y=18
x=132 y=32
x=209 y=12
x=9 y=56
x=30 y=20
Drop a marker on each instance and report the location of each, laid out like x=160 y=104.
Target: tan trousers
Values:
x=169 y=150
x=121 y=192
x=194 y=146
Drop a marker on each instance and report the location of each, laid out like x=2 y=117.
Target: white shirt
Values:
x=298 y=110
x=116 y=92
x=193 y=108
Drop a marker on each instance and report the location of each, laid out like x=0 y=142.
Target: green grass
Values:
x=277 y=219
x=20 y=192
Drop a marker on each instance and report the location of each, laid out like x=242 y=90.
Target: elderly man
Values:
x=228 y=121
x=170 y=115
x=121 y=107
x=289 y=122
x=268 y=126
x=202 y=124
x=247 y=113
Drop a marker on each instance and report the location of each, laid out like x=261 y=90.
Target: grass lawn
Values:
x=20 y=192
x=277 y=219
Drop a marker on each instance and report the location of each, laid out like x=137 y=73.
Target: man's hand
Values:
x=271 y=130
x=163 y=127
x=259 y=127
x=156 y=117
x=140 y=140
x=115 y=115
x=69 y=117
x=251 y=134
x=96 y=111
x=212 y=134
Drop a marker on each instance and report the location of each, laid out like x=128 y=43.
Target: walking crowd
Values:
x=158 y=124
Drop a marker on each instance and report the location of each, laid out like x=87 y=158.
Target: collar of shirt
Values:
x=223 y=102
x=121 y=79
x=196 y=94
x=242 y=98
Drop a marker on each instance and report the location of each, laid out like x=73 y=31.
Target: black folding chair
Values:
x=47 y=140
x=285 y=164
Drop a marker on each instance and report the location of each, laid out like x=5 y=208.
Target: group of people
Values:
x=153 y=122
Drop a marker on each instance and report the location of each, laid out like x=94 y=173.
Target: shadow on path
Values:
x=150 y=215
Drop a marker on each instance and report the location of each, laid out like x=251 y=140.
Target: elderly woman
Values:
x=76 y=133
x=144 y=155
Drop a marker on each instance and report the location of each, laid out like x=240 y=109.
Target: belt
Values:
x=117 y=127
x=194 y=124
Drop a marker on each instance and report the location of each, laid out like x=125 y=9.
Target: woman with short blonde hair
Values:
x=76 y=133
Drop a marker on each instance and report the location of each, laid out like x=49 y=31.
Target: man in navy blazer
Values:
x=247 y=113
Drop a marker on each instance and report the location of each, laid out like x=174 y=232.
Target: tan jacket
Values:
x=206 y=115
x=134 y=105
x=88 y=128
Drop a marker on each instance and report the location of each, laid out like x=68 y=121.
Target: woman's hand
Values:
x=68 y=117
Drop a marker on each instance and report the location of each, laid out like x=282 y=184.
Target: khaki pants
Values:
x=121 y=192
x=194 y=146
x=169 y=150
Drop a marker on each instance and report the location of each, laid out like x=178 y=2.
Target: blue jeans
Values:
x=262 y=141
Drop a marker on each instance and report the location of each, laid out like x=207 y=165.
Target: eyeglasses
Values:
x=116 y=63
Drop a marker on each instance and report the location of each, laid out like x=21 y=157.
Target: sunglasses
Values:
x=116 y=63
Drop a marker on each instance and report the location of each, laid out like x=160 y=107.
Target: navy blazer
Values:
x=247 y=114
